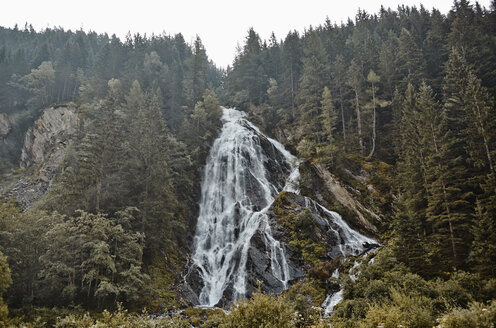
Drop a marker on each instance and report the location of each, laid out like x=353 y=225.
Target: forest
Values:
x=405 y=96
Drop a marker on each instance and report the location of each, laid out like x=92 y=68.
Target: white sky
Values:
x=221 y=24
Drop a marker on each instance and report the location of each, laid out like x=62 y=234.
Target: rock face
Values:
x=323 y=227
x=46 y=139
x=343 y=196
x=258 y=264
x=5 y=126
x=44 y=148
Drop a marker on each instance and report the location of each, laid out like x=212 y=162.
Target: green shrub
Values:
x=261 y=311
x=477 y=315
x=120 y=319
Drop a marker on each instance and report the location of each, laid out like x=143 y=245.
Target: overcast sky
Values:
x=221 y=24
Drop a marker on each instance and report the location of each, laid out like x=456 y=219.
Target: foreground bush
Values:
x=120 y=319
x=477 y=315
x=261 y=311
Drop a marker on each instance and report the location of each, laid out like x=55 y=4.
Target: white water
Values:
x=348 y=241
x=333 y=299
x=236 y=193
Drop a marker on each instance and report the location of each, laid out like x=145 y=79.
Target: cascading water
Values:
x=348 y=241
x=245 y=171
x=240 y=183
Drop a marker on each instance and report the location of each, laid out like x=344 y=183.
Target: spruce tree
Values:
x=412 y=161
x=338 y=74
x=471 y=112
x=483 y=253
x=409 y=246
x=196 y=78
x=292 y=65
x=410 y=60
x=312 y=81
x=448 y=209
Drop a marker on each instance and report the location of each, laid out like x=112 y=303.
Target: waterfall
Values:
x=245 y=171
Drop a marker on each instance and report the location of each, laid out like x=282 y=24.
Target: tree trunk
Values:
x=359 y=121
x=484 y=138
x=99 y=188
x=448 y=212
x=342 y=117
x=445 y=197
x=373 y=124
x=292 y=93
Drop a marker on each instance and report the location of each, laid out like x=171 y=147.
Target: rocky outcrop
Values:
x=258 y=265
x=295 y=218
x=45 y=145
x=5 y=126
x=345 y=198
x=45 y=141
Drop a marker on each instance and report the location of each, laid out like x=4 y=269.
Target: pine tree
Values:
x=312 y=81
x=196 y=78
x=483 y=253
x=448 y=208
x=101 y=153
x=410 y=245
x=471 y=112
x=388 y=63
x=338 y=73
x=412 y=161
x=292 y=65
x=150 y=181
x=410 y=60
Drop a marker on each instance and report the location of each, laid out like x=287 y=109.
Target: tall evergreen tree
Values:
x=412 y=161
x=338 y=73
x=448 y=208
x=292 y=65
x=196 y=81
x=312 y=81
x=410 y=60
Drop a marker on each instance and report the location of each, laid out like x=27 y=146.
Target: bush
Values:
x=120 y=319
x=477 y=315
x=261 y=311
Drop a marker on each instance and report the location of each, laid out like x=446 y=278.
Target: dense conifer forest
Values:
x=406 y=95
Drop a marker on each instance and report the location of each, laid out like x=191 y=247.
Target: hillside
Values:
x=354 y=184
